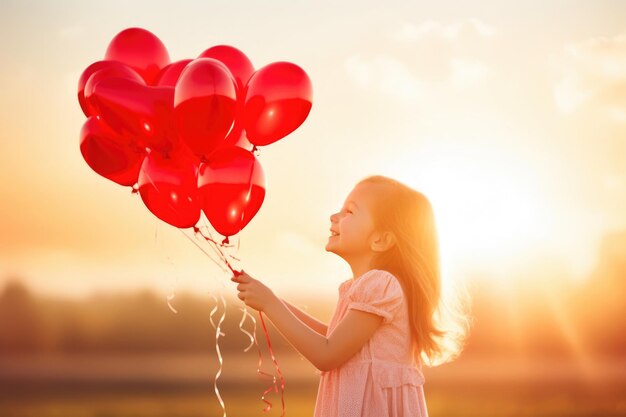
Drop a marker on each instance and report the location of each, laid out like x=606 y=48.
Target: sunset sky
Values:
x=510 y=116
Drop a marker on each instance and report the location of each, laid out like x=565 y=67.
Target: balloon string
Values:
x=267 y=337
x=170 y=297
x=205 y=252
x=272 y=387
x=217 y=328
x=216 y=246
x=172 y=293
x=247 y=333
x=261 y=373
x=282 y=380
x=218 y=333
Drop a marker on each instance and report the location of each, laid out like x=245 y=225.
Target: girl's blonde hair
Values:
x=439 y=321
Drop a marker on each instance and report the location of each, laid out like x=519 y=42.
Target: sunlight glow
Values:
x=487 y=203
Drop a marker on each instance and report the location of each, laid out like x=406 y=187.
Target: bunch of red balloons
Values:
x=184 y=133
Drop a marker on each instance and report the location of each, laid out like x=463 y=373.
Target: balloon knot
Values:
x=225 y=241
x=134 y=189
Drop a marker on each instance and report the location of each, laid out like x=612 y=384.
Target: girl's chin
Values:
x=332 y=248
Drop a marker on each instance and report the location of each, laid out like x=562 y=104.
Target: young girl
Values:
x=370 y=354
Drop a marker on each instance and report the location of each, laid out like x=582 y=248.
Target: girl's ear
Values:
x=383 y=242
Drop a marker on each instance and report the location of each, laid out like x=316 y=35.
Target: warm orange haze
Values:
x=511 y=119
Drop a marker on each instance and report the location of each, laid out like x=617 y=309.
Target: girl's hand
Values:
x=253 y=292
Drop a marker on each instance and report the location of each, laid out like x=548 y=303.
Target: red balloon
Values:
x=143 y=112
x=237 y=62
x=168 y=187
x=97 y=72
x=141 y=50
x=170 y=74
x=82 y=80
x=237 y=135
x=242 y=69
x=232 y=189
x=278 y=100
x=108 y=154
x=204 y=105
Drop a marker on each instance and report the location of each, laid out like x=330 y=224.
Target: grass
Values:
x=181 y=387
x=123 y=400
x=149 y=401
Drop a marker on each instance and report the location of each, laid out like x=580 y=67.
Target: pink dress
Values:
x=379 y=380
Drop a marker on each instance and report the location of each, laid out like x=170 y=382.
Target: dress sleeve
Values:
x=378 y=292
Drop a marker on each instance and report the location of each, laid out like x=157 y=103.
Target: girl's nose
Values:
x=333 y=217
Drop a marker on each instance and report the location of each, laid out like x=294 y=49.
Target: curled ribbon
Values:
x=262 y=374
x=282 y=380
x=216 y=247
x=260 y=365
x=218 y=333
x=169 y=303
x=252 y=335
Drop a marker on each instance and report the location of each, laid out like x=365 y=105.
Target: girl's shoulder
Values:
x=370 y=281
x=376 y=275
x=377 y=291
x=376 y=280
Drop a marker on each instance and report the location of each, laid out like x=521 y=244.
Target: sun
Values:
x=488 y=203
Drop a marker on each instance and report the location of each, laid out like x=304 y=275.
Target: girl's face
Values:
x=353 y=227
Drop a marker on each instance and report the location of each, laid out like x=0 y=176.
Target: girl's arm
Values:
x=309 y=320
x=324 y=352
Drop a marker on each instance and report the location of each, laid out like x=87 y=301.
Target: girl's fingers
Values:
x=243 y=277
x=243 y=281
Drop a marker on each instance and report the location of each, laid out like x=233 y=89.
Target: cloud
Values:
x=430 y=28
x=593 y=72
x=418 y=60
x=468 y=71
x=383 y=73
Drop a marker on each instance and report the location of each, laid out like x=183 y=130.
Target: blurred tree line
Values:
x=531 y=322
x=113 y=322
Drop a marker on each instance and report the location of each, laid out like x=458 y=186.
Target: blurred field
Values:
x=182 y=385
x=536 y=350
